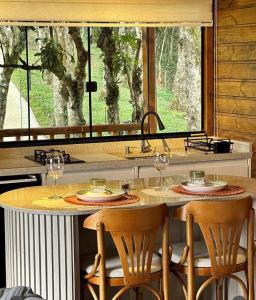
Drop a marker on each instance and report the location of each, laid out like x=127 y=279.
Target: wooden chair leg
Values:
x=251 y=286
x=250 y=262
x=226 y=287
x=139 y=293
x=219 y=289
x=160 y=287
x=92 y=291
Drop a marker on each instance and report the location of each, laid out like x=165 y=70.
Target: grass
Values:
x=41 y=99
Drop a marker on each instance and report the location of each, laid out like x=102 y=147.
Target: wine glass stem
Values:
x=55 y=183
x=161 y=180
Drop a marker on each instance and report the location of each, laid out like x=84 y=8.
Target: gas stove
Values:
x=40 y=157
x=206 y=144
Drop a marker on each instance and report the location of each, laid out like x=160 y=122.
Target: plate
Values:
x=99 y=197
x=208 y=187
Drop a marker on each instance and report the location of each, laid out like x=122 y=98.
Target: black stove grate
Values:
x=40 y=157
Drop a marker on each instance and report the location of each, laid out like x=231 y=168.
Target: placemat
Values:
x=226 y=191
x=72 y=199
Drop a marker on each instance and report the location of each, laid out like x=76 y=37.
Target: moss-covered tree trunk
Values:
x=64 y=55
x=187 y=81
x=76 y=85
x=4 y=88
x=137 y=86
x=60 y=102
x=12 y=40
x=107 y=44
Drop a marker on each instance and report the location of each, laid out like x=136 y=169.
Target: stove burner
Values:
x=203 y=143
x=40 y=157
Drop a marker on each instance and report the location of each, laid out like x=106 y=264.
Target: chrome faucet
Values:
x=147 y=148
x=166 y=147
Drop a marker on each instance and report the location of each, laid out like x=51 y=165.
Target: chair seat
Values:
x=113 y=265
x=202 y=259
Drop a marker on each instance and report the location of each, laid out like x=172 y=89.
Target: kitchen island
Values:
x=44 y=238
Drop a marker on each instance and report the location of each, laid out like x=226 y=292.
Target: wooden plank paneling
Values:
x=241 y=34
x=237 y=123
x=237 y=52
x=243 y=88
x=236 y=71
x=246 y=137
x=230 y=70
x=238 y=106
x=233 y=17
x=235 y=3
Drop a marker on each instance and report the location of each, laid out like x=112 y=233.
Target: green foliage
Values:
x=51 y=56
x=167 y=41
x=126 y=41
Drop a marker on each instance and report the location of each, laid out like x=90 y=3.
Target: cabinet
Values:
x=84 y=176
x=238 y=167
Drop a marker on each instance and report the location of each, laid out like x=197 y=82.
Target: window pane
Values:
x=59 y=62
x=13 y=104
x=117 y=67
x=58 y=58
x=178 y=77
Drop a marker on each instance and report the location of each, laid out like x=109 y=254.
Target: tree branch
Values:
x=82 y=54
x=23 y=67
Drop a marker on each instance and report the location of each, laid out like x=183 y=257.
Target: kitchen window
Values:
x=76 y=82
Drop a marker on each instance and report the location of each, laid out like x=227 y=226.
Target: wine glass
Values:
x=161 y=162
x=55 y=168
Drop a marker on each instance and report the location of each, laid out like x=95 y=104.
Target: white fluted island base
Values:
x=42 y=252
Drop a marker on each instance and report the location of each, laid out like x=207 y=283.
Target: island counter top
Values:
x=34 y=199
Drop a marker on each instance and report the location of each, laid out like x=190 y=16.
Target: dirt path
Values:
x=17 y=110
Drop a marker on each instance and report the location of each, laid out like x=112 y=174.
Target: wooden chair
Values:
x=219 y=256
x=134 y=232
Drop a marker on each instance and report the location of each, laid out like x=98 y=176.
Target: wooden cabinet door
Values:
x=239 y=167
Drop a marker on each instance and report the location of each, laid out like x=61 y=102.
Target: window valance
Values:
x=100 y=12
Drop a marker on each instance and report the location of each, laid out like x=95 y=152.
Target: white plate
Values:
x=98 y=197
x=208 y=187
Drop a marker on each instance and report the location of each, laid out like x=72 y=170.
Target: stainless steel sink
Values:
x=149 y=156
x=140 y=157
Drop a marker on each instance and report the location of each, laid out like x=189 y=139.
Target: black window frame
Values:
x=92 y=139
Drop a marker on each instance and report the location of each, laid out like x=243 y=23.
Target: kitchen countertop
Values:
x=34 y=199
x=99 y=161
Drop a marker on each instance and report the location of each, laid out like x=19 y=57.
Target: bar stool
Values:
x=136 y=265
x=219 y=256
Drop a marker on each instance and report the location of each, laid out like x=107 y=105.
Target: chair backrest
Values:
x=134 y=232
x=221 y=223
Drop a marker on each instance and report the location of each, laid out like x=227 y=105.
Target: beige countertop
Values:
x=34 y=199
x=99 y=161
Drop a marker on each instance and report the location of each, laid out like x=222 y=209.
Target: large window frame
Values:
x=207 y=100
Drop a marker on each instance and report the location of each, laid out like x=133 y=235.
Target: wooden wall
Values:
x=236 y=71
